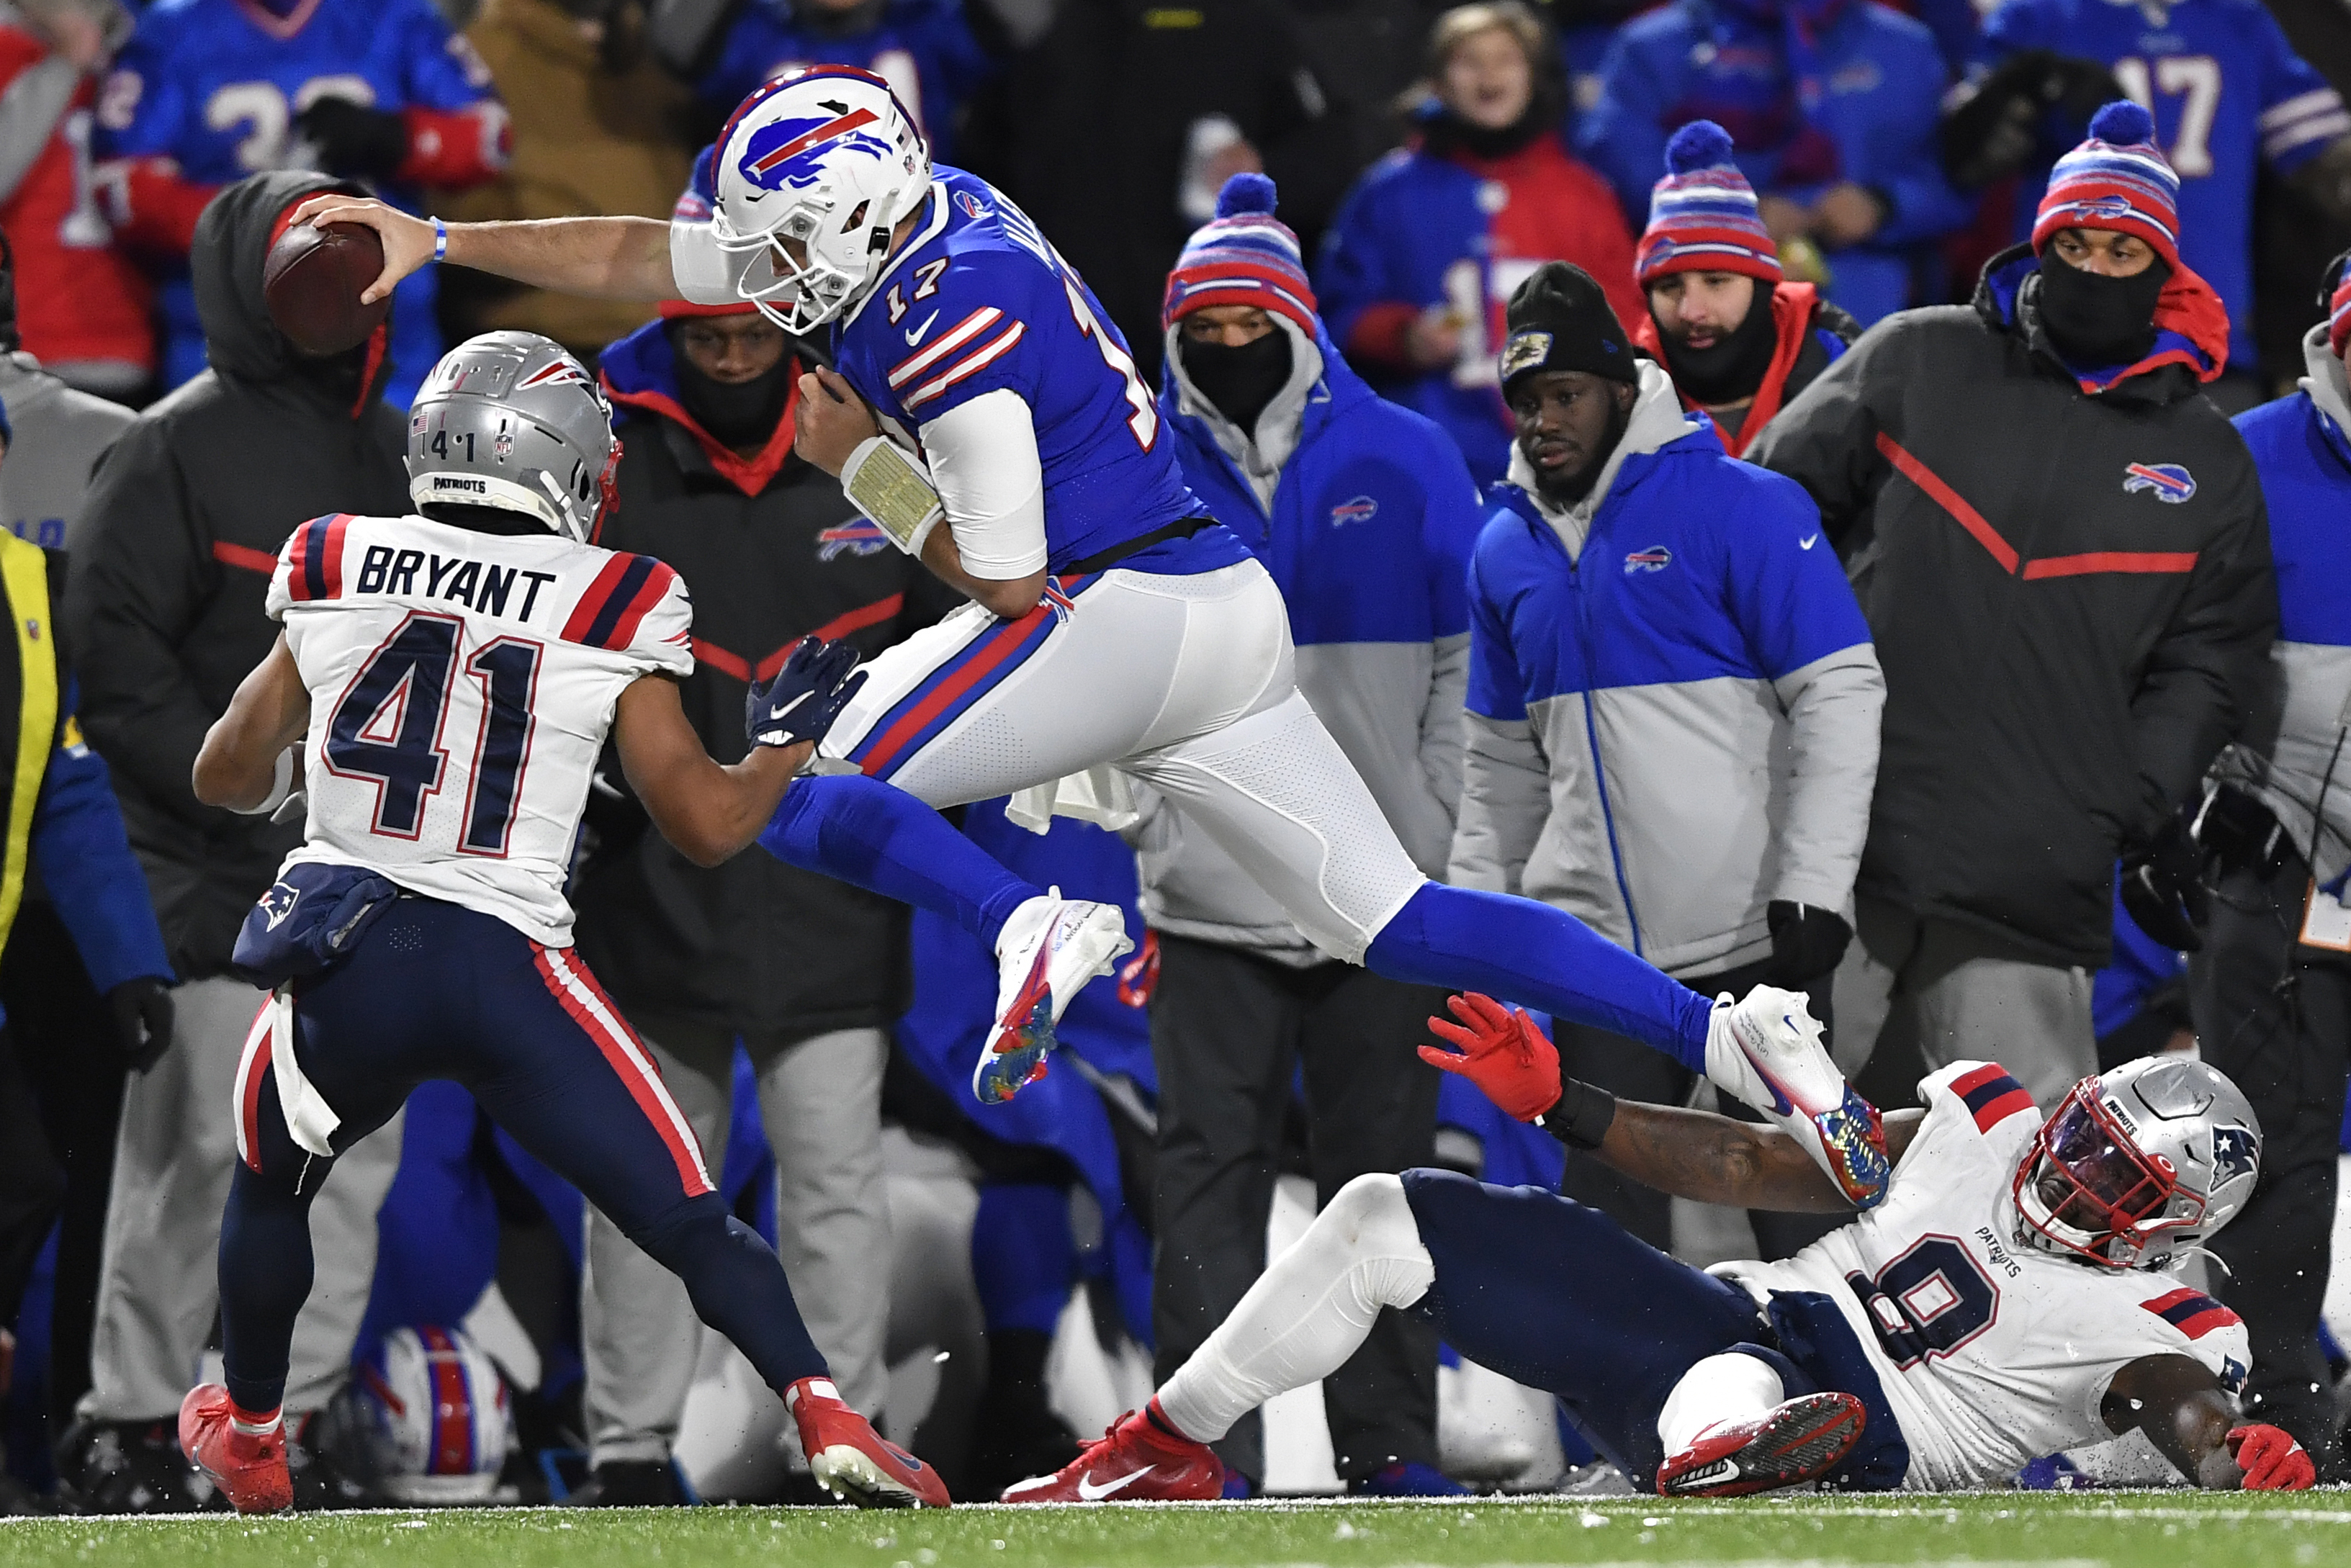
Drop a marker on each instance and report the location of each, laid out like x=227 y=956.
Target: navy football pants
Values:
x=438 y=991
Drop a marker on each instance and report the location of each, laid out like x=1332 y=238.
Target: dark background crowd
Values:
x=988 y=1278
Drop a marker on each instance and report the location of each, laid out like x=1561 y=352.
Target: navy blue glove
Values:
x=808 y=694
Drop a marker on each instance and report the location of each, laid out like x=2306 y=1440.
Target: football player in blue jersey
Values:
x=1116 y=630
x=208 y=91
x=2228 y=94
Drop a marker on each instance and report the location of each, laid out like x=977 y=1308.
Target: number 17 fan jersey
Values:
x=462 y=684
x=1990 y=1351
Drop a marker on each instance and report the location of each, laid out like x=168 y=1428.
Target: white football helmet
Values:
x=2139 y=1164
x=425 y=1420
x=812 y=173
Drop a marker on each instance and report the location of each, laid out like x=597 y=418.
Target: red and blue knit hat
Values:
x=2338 y=313
x=1702 y=214
x=2117 y=180
x=1245 y=257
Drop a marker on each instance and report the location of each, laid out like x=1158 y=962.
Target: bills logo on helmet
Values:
x=1362 y=509
x=859 y=536
x=2170 y=481
x=788 y=152
x=2234 y=1154
x=1656 y=557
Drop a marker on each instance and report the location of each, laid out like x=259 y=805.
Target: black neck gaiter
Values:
x=2095 y=321
x=1732 y=367
x=739 y=415
x=1240 y=381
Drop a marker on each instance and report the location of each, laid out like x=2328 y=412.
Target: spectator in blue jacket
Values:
x=2271 y=990
x=1673 y=702
x=1363 y=512
x=1833 y=106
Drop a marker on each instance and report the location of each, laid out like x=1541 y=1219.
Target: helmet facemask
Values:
x=2085 y=1186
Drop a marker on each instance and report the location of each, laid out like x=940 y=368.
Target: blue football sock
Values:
x=1529 y=953
x=872 y=835
x=1023 y=1256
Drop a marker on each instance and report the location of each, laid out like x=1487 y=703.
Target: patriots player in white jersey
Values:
x=989 y=418
x=2007 y=1301
x=440 y=694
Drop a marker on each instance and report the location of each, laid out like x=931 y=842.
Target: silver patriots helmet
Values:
x=509 y=420
x=2141 y=1163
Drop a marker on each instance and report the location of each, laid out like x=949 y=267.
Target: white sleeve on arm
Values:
x=984 y=464
x=704 y=274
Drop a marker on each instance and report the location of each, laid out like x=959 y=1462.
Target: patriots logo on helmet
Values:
x=1362 y=509
x=1656 y=557
x=973 y=207
x=789 y=151
x=549 y=375
x=2234 y=1154
x=2170 y=481
x=859 y=536
x=278 y=903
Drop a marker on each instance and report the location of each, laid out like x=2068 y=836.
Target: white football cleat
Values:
x=1765 y=1051
x=1045 y=954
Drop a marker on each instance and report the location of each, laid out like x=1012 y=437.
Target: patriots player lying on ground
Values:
x=2006 y=1300
x=1113 y=621
x=440 y=692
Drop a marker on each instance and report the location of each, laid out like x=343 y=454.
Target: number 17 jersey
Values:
x=462 y=684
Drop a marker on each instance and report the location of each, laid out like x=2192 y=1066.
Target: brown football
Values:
x=311 y=283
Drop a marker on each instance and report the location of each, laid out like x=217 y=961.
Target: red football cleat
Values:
x=1135 y=1461
x=1790 y=1444
x=250 y=1467
x=851 y=1459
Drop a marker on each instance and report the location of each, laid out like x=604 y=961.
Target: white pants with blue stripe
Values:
x=1187 y=683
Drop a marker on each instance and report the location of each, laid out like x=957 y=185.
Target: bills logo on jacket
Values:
x=2170 y=481
x=1362 y=509
x=859 y=536
x=1656 y=557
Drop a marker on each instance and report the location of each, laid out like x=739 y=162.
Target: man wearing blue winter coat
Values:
x=1363 y=512
x=1673 y=699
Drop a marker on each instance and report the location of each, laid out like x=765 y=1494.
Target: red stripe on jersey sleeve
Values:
x=591 y=604
x=2000 y=1109
x=333 y=552
x=649 y=593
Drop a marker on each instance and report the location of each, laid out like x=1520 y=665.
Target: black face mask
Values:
x=339 y=376
x=1564 y=493
x=2095 y=320
x=1239 y=381
x=1732 y=367
x=735 y=414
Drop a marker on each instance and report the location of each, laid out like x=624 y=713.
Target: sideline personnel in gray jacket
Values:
x=1363 y=512
x=1673 y=700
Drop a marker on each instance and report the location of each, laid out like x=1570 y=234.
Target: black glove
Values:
x=354 y=140
x=807 y=694
x=140 y=1010
x=2237 y=833
x=1994 y=133
x=2163 y=892
x=1807 y=942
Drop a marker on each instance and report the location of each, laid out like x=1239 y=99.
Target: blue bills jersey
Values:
x=922 y=49
x=215 y=85
x=2227 y=91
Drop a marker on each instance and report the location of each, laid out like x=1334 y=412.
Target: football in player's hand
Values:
x=311 y=283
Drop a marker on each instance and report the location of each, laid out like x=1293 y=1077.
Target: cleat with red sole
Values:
x=1045 y=954
x=851 y=1459
x=1135 y=1461
x=249 y=1466
x=1790 y=1444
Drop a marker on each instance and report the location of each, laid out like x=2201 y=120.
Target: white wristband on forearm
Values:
x=281 y=785
x=883 y=481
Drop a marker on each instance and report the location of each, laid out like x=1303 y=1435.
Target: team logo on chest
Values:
x=1656 y=557
x=2170 y=481
x=859 y=536
x=1362 y=509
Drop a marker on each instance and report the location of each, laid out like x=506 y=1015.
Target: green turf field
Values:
x=2174 y=1527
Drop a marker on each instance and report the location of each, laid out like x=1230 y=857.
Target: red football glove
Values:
x=2271 y=1460
x=1502 y=1052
